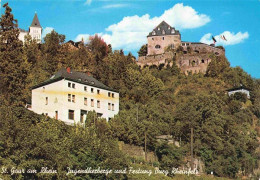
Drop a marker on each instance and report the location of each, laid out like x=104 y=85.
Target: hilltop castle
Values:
x=35 y=30
x=163 y=43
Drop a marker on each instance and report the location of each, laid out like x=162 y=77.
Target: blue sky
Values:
x=125 y=23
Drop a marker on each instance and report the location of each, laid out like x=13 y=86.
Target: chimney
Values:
x=89 y=74
x=68 y=70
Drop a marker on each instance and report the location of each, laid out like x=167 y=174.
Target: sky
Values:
x=125 y=23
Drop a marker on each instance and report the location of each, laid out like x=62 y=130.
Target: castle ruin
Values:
x=165 y=45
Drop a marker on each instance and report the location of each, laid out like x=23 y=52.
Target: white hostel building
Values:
x=69 y=95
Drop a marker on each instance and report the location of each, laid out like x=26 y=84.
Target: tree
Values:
x=143 y=50
x=12 y=67
x=217 y=66
x=239 y=96
x=52 y=51
x=169 y=156
x=98 y=46
x=31 y=50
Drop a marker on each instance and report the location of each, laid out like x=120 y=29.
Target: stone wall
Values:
x=202 y=48
x=196 y=63
x=137 y=152
x=194 y=60
x=158 y=44
x=155 y=59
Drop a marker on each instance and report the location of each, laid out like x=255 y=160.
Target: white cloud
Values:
x=88 y=2
x=46 y=30
x=84 y=36
x=110 y=6
x=130 y=33
x=231 y=37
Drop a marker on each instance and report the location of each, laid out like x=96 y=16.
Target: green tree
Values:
x=12 y=66
x=143 y=50
x=217 y=66
x=51 y=49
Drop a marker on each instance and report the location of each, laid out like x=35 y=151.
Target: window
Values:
x=152 y=38
x=153 y=33
x=71 y=114
x=173 y=31
x=157 y=46
x=158 y=28
x=98 y=91
x=109 y=106
x=193 y=63
x=98 y=104
x=99 y=115
x=69 y=97
x=163 y=32
x=92 y=102
x=69 y=84
x=85 y=88
x=46 y=101
x=202 y=61
x=73 y=85
x=162 y=38
x=73 y=98
x=83 y=115
x=92 y=90
x=169 y=27
x=113 y=107
x=85 y=101
x=109 y=94
x=56 y=115
x=113 y=95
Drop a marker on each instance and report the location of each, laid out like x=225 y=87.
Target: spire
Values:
x=35 y=22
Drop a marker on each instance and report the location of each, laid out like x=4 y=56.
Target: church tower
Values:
x=35 y=30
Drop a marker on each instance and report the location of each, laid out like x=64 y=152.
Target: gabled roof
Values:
x=22 y=30
x=163 y=27
x=74 y=76
x=238 y=88
x=36 y=22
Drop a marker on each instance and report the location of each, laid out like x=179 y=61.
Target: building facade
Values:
x=35 y=30
x=162 y=37
x=69 y=95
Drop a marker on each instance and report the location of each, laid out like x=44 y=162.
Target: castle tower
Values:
x=162 y=37
x=35 y=30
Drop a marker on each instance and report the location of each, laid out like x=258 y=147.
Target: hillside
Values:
x=153 y=101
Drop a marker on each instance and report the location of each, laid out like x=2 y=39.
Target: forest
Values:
x=153 y=101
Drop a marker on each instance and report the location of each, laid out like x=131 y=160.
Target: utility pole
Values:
x=137 y=114
x=191 y=147
x=94 y=118
x=145 y=143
